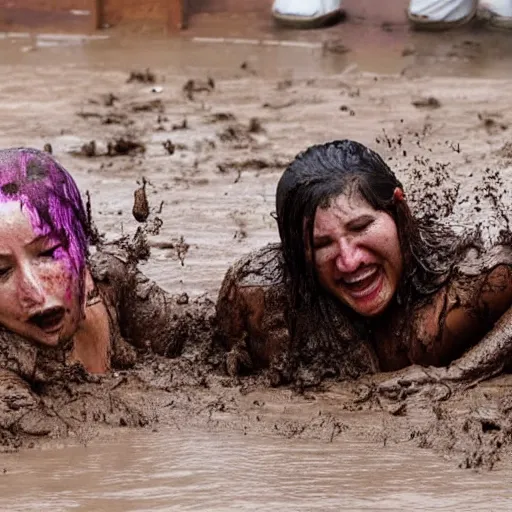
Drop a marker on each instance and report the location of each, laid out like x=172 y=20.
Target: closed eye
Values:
x=360 y=224
x=360 y=227
x=320 y=243
x=4 y=271
x=49 y=253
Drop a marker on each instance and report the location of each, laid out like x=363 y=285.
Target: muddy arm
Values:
x=489 y=357
x=30 y=361
x=492 y=305
x=252 y=327
x=152 y=318
x=493 y=299
x=485 y=360
x=148 y=317
x=16 y=399
x=251 y=312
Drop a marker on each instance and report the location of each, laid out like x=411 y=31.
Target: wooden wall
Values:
x=114 y=12
x=70 y=15
x=87 y=15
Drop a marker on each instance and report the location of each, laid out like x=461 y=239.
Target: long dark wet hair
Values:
x=317 y=321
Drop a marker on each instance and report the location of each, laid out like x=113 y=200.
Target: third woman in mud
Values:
x=359 y=285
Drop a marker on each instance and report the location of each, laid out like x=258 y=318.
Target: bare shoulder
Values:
x=251 y=278
x=262 y=267
x=109 y=266
x=481 y=262
x=251 y=307
x=461 y=313
x=483 y=281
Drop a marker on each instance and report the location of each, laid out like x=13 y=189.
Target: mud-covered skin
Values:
x=488 y=350
x=251 y=322
x=251 y=311
x=42 y=392
x=141 y=315
x=252 y=308
x=145 y=315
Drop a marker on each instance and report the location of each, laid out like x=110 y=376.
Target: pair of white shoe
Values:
x=425 y=13
x=443 y=13
x=306 y=13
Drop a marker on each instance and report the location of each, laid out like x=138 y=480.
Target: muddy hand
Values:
x=237 y=359
x=16 y=398
x=414 y=378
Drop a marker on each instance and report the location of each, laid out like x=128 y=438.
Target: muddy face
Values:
x=357 y=253
x=39 y=295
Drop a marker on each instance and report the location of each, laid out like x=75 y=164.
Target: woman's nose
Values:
x=30 y=289
x=349 y=257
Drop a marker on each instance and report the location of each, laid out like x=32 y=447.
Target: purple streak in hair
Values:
x=52 y=200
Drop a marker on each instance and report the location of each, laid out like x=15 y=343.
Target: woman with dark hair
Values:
x=360 y=285
x=59 y=305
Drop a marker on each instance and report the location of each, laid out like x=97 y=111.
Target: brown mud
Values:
x=215 y=192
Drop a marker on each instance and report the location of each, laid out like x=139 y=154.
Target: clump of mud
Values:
x=430 y=102
x=143 y=77
x=125 y=146
x=120 y=146
x=195 y=86
x=140 y=209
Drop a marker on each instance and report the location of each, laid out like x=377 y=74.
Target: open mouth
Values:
x=364 y=284
x=49 y=320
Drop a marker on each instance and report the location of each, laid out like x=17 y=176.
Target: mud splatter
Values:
x=142 y=77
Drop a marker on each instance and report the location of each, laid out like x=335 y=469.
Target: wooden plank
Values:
x=231 y=6
x=78 y=16
x=115 y=12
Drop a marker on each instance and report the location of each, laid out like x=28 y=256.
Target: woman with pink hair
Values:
x=59 y=305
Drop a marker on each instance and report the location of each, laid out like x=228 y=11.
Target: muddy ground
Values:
x=212 y=147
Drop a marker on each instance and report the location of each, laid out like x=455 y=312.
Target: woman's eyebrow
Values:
x=38 y=239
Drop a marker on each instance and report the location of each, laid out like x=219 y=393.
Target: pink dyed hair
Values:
x=52 y=199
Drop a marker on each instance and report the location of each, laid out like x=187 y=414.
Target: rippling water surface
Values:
x=143 y=471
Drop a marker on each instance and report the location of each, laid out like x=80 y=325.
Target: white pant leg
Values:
x=497 y=12
x=306 y=8
x=441 y=11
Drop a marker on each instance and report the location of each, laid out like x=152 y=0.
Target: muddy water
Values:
x=271 y=54
x=220 y=472
x=54 y=93
x=296 y=93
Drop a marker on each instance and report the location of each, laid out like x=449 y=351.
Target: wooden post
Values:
x=176 y=15
x=96 y=13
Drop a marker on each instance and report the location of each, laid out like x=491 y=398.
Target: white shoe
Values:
x=438 y=14
x=306 y=13
x=498 y=13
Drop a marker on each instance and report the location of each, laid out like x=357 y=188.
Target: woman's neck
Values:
x=92 y=339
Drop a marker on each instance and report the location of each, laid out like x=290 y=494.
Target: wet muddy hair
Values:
x=314 y=178
x=52 y=200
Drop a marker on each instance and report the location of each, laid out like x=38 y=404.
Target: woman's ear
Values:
x=398 y=195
